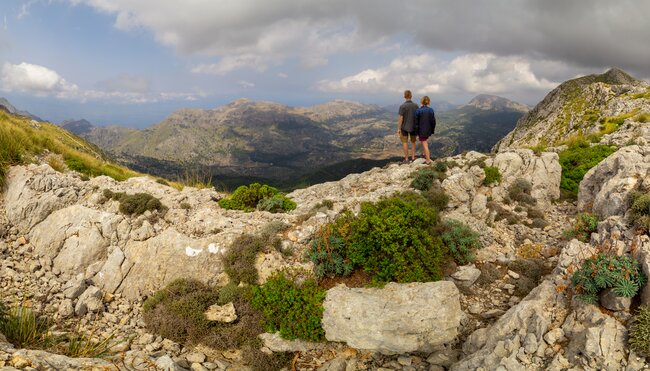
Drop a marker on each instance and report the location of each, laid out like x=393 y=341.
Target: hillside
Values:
x=23 y=140
x=475 y=126
x=610 y=108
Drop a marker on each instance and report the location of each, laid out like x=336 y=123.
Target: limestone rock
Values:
x=466 y=275
x=89 y=301
x=396 y=319
x=606 y=186
x=611 y=301
x=277 y=344
x=221 y=313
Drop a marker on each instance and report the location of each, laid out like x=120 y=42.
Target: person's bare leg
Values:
x=413 y=151
x=406 y=150
x=427 y=154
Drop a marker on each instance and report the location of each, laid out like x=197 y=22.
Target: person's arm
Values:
x=433 y=122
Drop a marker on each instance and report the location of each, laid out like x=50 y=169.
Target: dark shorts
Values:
x=405 y=136
x=423 y=139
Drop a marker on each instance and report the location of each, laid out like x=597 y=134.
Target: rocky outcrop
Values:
x=605 y=188
x=399 y=318
x=579 y=107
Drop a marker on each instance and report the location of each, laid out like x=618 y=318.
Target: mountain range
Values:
x=250 y=140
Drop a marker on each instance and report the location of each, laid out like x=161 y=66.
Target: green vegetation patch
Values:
x=520 y=191
x=295 y=310
x=24 y=328
x=492 y=175
x=460 y=241
x=640 y=210
x=258 y=196
x=135 y=204
x=604 y=271
x=639 y=331
x=586 y=224
x=327 y=252
x=424 y=178
x=576 y=161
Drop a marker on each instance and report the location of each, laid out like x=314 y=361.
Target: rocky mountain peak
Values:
x=77 y=127
x=496 y=103
x=608 y=108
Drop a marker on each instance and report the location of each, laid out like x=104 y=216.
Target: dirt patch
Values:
x=358 y=278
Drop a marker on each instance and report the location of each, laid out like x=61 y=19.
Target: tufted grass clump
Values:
x=492 y=175
x=295 y=310
x=24 y=328
x=460 y=241
x=520 y=190
x=639 y=331
x=576 y=161
x=424 y=178
x=136 y=204
x=586 y=224
x=604 y=271
x=258 y=196
x=640 y=210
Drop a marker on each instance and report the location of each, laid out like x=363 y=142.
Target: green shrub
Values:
x=643 y=117
x=25 y=329
x=577 y=161
x=586 y=224
x=520 y=190
x=639 y=331
x=604 y=271
x=436 y=197
x=392 y=239
x=640 y=210
x=460 y=241
x=260 y=196
x=327 y=252
x=325 y=204
x=492 y=175
x=423 y=178
x=135 y=204
x=441 y=166
x=293 y=310
x=185 y=206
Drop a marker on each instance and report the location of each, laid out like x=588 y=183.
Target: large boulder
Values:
x=605 y=188
x=400 y=318
x=34 y=192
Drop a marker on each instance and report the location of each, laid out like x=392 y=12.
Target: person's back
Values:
x=407 y=110
x=406 y=125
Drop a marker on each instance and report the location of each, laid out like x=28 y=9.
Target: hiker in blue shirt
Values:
x=425 y=124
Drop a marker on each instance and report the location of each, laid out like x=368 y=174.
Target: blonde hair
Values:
x=425 y=101
x=407 y=94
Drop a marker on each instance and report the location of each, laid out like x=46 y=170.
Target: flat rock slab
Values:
x=399 y=318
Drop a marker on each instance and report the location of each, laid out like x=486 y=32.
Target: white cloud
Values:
x=42 y=81
x=423 y=73
x=35 y=79
x=232 y=63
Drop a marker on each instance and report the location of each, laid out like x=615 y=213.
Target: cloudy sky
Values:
x=132 y=62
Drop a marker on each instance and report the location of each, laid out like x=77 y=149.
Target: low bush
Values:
x=176 y=312
x=502 y=213
x=441 y=166
x=295 y=310
x=136 y=204
x=530 y=272
x=424 y=178
x=239 y=259
x=492 y=175
x=260 y=196
x=325 y=204
x=436 y=197
x=640 y=210
x=393 y=240
x=576 y=161
x=520 y=190
x=327 y=252
x=460 y=241
x=586 y=224
x=639 y=331
x=604 y=271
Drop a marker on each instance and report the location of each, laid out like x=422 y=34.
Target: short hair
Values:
x=425 y=101
x=407 y=94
